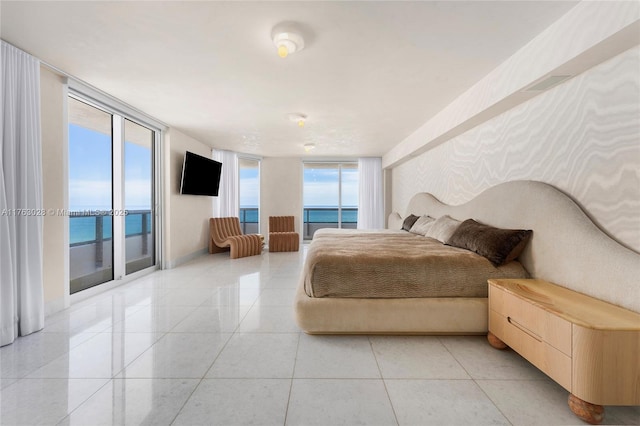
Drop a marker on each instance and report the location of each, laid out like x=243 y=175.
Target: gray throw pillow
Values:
x=408 y=222
x=500 y=246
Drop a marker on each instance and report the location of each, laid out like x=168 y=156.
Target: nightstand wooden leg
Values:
x=495 y=342
x=590 y=413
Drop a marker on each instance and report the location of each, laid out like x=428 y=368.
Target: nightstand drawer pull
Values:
x=524 y=329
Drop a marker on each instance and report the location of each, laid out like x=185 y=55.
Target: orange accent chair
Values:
x=225 y=234
x=282 y=235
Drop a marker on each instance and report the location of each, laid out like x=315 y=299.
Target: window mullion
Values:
x=339 y=195
x=118 y=237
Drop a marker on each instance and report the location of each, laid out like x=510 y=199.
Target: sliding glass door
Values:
x=90 y=196
x=138 y=197
x=111 y=196
x=330 y=196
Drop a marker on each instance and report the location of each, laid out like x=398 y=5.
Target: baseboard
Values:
x=187 y=258
x=110 y=285
x=53 y=306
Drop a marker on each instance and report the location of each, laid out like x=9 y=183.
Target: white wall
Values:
x=583 y=137
x=52 y=103
x=590 y=33
x=186 y=216
x=280 y=191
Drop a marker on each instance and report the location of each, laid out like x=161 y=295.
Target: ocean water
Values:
x=315 y=214
x=330 y=216
x=83 y=228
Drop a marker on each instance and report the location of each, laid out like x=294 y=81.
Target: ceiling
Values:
x=370 y=73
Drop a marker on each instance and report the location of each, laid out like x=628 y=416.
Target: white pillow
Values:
x=395 y=221
x=422 y=225
x=443 y=228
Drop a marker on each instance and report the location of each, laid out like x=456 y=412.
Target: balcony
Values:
x=249 y=220
x=314 y=218
x=91 y=246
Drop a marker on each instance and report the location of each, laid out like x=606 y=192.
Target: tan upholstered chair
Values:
x=282 y=235
x=225 y=234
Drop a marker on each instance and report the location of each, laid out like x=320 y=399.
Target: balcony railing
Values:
x=249 y=220
x=91 y=245
x=314 y=218
x=92 y=227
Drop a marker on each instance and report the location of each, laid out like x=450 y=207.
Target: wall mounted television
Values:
x=200 y=175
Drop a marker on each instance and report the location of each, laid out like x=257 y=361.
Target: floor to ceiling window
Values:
x=249 y=192
x=330 y=196
x=112 y=221
x=138 y=197
x=90 y=196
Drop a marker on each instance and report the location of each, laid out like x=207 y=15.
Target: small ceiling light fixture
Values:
x=287 y=39
x=298 y=118
x=308 y=147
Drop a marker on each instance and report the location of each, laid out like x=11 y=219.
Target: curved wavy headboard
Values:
x=567 y=248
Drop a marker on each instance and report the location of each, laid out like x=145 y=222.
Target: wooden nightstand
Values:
x=590 y=347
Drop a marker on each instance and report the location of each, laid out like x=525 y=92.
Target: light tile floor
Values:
x=214 y=342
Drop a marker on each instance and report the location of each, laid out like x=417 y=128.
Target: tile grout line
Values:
x=293 y=373
x=186 y=400
x=233 y=333
x=204 y=375
x=475 y=382
x=195 y=388
x=384 y=382
x=68 y=415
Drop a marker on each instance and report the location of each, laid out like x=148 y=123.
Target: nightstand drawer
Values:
x=541 y=324
x=550 y=360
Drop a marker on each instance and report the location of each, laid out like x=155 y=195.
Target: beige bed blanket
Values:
x=395 y=264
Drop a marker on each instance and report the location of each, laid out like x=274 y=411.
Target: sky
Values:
x=249 y=187
x=90 y=172
x=320 y=187
x=90 y=177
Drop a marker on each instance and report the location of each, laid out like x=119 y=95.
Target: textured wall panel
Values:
x=583 y=137
x=588 y=34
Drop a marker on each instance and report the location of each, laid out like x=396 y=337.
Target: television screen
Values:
x=200 y=175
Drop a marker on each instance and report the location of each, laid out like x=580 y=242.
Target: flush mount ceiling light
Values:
x=287 y=39
x=308 y=147
x=298 y=118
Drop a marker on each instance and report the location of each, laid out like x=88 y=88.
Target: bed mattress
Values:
x=395 y=264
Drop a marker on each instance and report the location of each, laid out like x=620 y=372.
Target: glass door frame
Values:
x=339 y=167
x=120 y=112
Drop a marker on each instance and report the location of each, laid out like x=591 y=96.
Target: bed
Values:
x=566 y=248
x=344 y=263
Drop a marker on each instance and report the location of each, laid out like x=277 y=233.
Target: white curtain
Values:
x=21 y=291
x=370 y=198
x=226 y=204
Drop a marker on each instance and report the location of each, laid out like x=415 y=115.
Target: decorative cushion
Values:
x=394 y=221
x=408 y=222
x=500 y=246
x=442 y=228
x=422 y=225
